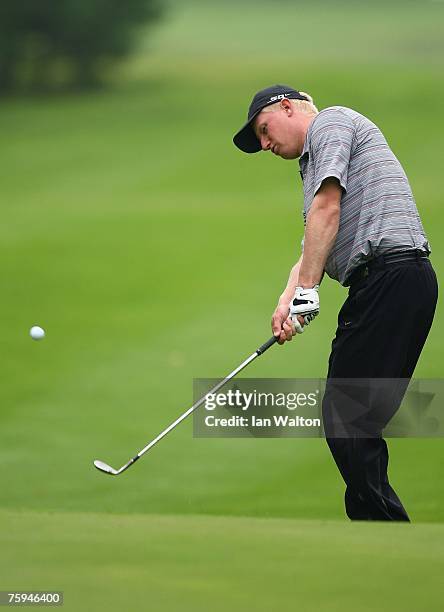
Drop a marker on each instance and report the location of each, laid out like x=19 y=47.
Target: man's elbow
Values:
x=327 y=207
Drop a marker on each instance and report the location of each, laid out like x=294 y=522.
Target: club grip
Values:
x=261 y=350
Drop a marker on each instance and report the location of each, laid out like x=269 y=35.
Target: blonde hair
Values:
x=304 y=106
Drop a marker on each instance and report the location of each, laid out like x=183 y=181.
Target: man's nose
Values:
x=265 y=143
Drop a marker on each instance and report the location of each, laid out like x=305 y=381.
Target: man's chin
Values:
x=289 y=155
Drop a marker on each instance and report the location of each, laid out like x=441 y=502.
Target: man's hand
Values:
x=283 y=326
x=305 y=304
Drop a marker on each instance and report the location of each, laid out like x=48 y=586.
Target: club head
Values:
x=104 y=467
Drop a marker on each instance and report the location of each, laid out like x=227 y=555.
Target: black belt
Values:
x=382 y=260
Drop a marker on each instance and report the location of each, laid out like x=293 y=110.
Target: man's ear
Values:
x=287 y=106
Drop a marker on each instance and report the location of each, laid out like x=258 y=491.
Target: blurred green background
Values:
x=153 y=252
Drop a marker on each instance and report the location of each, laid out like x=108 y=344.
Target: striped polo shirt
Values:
x=378 y=211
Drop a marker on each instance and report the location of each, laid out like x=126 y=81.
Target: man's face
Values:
x=277 y=131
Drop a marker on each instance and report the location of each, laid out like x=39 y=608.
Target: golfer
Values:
x=363 y=229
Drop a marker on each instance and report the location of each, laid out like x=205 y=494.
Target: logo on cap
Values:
x=279 y=97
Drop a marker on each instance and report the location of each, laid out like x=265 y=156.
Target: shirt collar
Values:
x=303 y=157
x=305 y=149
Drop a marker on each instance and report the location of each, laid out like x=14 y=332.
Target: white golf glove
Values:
x=305 y=303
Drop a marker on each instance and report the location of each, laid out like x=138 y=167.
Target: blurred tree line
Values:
x=45 y=43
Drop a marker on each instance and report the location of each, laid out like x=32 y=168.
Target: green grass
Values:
x=153 y=252
x=114 y=563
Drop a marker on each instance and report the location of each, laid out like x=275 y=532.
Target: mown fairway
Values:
x=154 y=562
x=153 y=252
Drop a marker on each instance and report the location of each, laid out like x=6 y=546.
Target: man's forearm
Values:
x=320 y=235
x=292 y=283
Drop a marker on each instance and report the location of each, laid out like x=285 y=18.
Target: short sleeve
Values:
x=331 y=147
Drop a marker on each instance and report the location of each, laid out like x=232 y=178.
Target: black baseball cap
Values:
x=246 y=139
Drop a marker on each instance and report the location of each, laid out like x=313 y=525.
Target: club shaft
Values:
x=216 y=387
x=260 y=351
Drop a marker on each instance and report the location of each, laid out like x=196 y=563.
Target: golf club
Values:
x=107 y=469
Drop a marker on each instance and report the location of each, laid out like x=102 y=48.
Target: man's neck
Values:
x=305 y=122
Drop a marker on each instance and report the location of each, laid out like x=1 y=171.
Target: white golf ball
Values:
x=37 y=333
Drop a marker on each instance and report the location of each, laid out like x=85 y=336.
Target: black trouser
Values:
x=382 y=327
